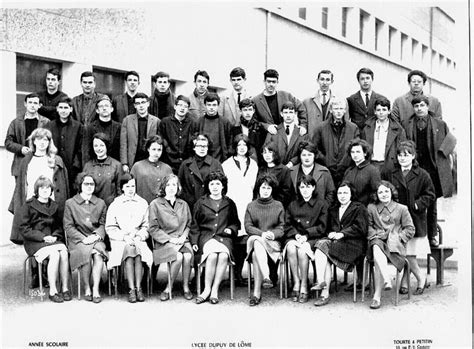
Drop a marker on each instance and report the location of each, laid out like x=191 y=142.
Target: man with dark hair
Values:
x=103 y=124
x=67 y=137
x=136 y=129
x=123 y=104
x=318 y=107
x=361 y=104
x=177 y=131
x=402 y=108
x=84 y=105
x=434 y=146
x=201 y=81
x=216 y=128
x=162 y=101
x=20 y=129
x=52 y=95
x=230 y=102
x=269 y=102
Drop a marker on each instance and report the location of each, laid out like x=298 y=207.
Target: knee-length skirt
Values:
x=272 y=247
x=121 y=251
x=213 y=246
x=395 y=258
x=306 y=247
x=44 y=252
x=80 y=253
x=418 y=247
x=168 y=252
x=343 y=253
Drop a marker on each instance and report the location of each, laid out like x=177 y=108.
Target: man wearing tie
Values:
x=361 y=103
x=230 y=102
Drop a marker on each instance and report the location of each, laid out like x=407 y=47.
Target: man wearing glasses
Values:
x=136 y=129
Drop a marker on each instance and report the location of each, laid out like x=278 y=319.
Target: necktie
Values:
x=367 y=100
x=287 y=130
x=405 y=172
x=238 y=97
x=324 y=99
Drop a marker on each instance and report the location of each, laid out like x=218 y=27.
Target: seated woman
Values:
x=264 y=220
x=416 y=191
x=84 y=224
x=346 y=241
x=215 y=225
x=170 y=219
x=390 y=228
x=305 y=223
x=126 y=225
x=43 y=237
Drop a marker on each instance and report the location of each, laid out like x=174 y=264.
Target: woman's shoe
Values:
x=164 y=296
x=88 y=297
x=294 y=296
x=303 y=298
x=56 y=298
x=200 y=300
x=132 y=296
x=375 y=304
x=214 y=300
x=140 y=295
x=97 y=299
x=67 y=296
x=403 y=290
x=420 y=290
x=267 y=283
x=188 y=295
x=254 y=300
x=321 y=301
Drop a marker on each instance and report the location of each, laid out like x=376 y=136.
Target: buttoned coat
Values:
x=210 y=223
x=264 y=115
x=129 y=136
x=120 y=104
x=287 y=151
x=359 y=113
x=191 y=179
x=85 y=114
x=353 y=224
x=441 y=144
x=414 y=189
x=324 y=183
x=314 y=111
x=107 y=178
x=168 y=222
x=395 y=135
x=365 y=178
x=306 y=218
x=16 y=139
x=402 y=109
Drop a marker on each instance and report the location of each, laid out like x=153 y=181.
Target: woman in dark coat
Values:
x=346 y=240
x=215 y=225
x=264 y=219
x=84 y=224
x=361 y=174
x=43 y=237
x=284 y=191
x=305 y=223
x=417 y=192
x=170 y=220
x=105 y=169
x=390 y=228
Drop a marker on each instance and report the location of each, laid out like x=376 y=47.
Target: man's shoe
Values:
x=321 y=301
x=267 y=283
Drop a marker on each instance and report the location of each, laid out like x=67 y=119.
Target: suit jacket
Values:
x=263 y=114
x=358 y=112
x=395 y=135
x=129 y=136
x=16 y=139
x=314 y=112
x=441 y=144
x=85 y=113
x=120 y=104
x=288 y=151
x=230 y=108
x=402 y=109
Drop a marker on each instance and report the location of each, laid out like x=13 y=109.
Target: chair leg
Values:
x=168 y=265
x=249 y=278
x=148 y=280
x=231 y=276
x=408 y=273
x=25 y=269
x=116 y=271
x=198 y=280
x=287 y=278
x=40 y=272
x=79 y=283
x=355 y=284
x=109 y=281
x=397 y=286
x=282 y=278
x=335 y=279
x=364 y=278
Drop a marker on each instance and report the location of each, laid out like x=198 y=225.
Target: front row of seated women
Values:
x=307 y=230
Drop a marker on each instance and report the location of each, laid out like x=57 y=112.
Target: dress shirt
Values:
x=380 y=138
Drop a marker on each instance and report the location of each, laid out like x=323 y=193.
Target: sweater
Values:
x=265 y=215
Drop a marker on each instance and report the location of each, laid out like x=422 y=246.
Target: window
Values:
x=378 y=33
x=424 y=53
x=363 y=18
x=414 y=48
x=302 y=12
x=345 y=11
x=30 y=77
x=109 y=82
x=391 y=35
x=324 y=17
x=403 y=42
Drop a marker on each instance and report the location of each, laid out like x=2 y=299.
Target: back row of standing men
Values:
x=273 y=115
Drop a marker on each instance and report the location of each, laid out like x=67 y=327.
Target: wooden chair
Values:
x=27 y=263
x=439 y=254
x=231 y=277
x=282 y=279
x=113 y=277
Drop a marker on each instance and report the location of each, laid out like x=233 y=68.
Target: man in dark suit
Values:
x=361 y=104
x=434 y=146
x=123 y=104
x=230 y=101
x=269 y=102
x=52 y=95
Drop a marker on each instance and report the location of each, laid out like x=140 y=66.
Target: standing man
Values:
x=361 y=104
x=104 y=124
x=402 y=107
x=123 y=104
x=201 y=81
x=230 y=102
x=216 y=128
x=67 y=137
x=136 y=129
x=177 y=130
x=52 y=95
x=162 y=101
x=318 y=107
x=434 y=145
x=84 y=105
x=332 y=137
x=269 y=102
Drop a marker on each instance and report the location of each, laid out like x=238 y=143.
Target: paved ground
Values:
x=436 y=316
